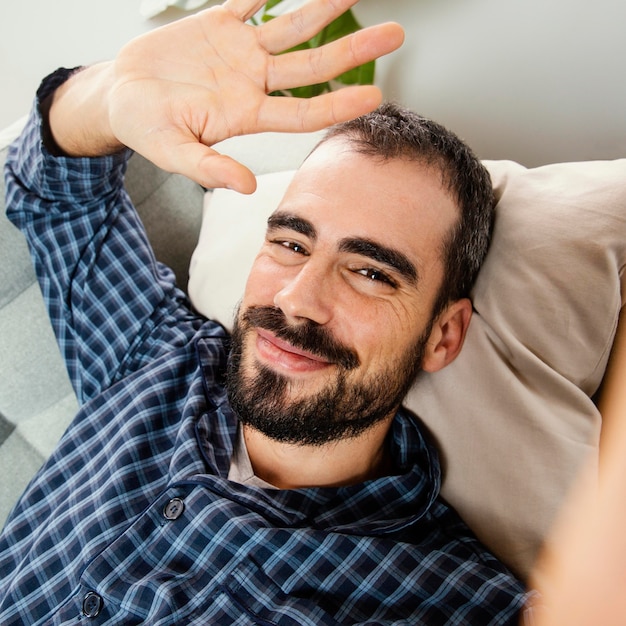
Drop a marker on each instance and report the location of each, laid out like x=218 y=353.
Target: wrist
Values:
x=73 y=108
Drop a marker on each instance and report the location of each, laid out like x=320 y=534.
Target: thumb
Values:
x=207 y=167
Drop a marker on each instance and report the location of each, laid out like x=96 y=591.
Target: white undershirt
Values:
x=240 y=466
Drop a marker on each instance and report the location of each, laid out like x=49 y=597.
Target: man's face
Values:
x=337 y=311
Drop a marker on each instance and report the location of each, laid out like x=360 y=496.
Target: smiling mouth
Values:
x=278 y=352
x=306 y=346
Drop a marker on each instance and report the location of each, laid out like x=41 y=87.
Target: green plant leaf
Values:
x=341 y=26
x=362 y=75
x=270 y=4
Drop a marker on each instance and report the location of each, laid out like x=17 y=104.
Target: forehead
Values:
x=397 y=202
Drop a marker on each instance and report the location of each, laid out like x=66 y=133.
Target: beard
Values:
x=342 y=409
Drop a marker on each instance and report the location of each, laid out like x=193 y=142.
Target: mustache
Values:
x=307 y=336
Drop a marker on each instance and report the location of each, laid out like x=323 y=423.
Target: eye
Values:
x=293 y=246
x=376 y=276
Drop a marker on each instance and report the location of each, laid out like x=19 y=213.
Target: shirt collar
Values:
x=378 y=506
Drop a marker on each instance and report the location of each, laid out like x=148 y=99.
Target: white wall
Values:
x=37 y=36
x=531 y=80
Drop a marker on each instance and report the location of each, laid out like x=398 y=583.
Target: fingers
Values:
x=307 y=114
x=207 y=167
x=243 y=9
x=308 y=67
x=294 y=27
x=290 y=29
x=211 y=170
x=206 y=78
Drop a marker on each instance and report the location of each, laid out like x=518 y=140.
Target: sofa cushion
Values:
x=36 y=399
x=170 y=207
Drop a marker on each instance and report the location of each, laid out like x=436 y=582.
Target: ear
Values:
x=447 y=335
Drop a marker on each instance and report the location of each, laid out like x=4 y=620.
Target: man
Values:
x=298 y=492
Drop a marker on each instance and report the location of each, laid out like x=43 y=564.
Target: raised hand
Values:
x=176 y=91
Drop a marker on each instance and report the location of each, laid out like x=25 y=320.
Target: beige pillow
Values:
x=513 y=414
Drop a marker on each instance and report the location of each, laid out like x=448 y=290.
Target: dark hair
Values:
x=392 y=132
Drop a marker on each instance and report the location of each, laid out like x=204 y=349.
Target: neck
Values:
x=344 y=462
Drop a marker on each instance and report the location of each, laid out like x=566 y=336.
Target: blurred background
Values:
x=535 y=81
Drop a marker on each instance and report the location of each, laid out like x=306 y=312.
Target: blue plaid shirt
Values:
x=133 y=519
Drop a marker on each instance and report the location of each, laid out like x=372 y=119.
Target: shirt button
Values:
x=92 y=604
x=173 y=509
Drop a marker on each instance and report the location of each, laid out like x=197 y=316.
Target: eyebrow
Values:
x=280 y=219
x=382 y=254
x=369 y=248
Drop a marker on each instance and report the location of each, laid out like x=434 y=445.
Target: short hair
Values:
x=394 y=132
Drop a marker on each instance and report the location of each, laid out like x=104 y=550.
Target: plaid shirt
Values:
x=133 y=520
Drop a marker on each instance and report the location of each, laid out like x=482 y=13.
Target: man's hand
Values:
x=176 y=91
x=581 y=575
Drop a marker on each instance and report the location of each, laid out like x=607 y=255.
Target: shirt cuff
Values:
x=44 y=172
x=44 y=99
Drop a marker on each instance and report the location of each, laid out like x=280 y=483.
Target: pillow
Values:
x=233 y=229
x=513 y=415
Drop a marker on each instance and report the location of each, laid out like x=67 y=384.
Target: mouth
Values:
x=279 y=353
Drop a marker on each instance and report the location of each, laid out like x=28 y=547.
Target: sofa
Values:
x=515 y=416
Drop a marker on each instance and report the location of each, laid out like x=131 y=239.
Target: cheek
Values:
x=263 y=283
x=367 y=328
x=383 y=334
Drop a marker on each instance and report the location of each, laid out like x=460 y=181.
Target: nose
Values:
x=307 y=294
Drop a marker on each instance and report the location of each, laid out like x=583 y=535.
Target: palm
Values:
x=183 y=88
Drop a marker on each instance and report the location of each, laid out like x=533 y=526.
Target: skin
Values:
x=581 y=575
x=375 y=308
x=175 y=91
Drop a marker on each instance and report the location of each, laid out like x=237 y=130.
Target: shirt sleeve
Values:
x=113 y=307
